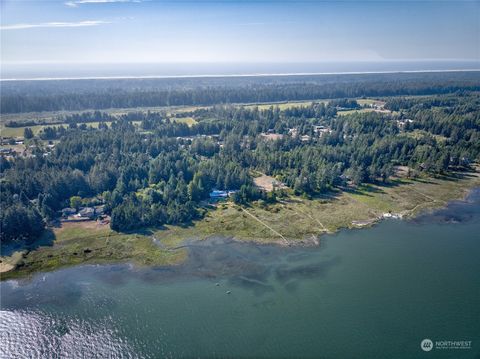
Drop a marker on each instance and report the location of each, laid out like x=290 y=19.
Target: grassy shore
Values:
x=297 y=220
x=82 y=243
x=291 y=221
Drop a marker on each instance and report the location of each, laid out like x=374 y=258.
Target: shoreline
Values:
x=428 y=208
x=194 y=76
x=73 y=245
x=188 y=242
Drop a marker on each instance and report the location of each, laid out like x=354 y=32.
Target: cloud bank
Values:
x=54 y=24
x=76 y=3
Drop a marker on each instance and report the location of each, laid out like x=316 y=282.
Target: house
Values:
x=293 y=132
x=216 y=194
x=4 y=140
x=68 y=211
x=305 y=138
x=401 y=123
x=6 y=151
x=86 y=212
x=321 y=130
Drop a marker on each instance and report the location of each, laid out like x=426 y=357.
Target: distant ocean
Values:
x=154 y=70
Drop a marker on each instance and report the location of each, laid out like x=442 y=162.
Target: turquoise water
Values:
x=372 y=293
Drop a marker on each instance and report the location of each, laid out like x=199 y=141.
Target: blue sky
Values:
x=129 y=31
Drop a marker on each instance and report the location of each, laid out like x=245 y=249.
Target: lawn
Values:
x=417 y=134
x=283 y=105
x=190 y=121
x=18 y=131
x=349 y=112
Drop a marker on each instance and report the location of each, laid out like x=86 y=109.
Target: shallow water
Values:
x=372 y=293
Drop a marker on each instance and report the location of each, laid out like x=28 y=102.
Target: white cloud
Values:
x=54 y=24
x=76 y=3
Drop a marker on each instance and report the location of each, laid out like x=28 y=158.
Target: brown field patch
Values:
x=267 y=183
x=88 y=224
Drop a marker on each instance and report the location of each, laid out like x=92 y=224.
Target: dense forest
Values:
x=35 y=96
x=149 y=169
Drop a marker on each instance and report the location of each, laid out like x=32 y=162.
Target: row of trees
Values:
x=33 y=96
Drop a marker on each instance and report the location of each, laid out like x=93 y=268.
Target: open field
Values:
x=366 y=101
x=370 y=101
x=349 y=112
x=292 y=221
x=190 y=121
x=420 y=133
x=283 y=105
x=170 y=110
x=364 y=110
x=48 y=116
x=18 y=131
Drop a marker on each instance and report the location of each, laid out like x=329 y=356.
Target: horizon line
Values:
x=153 y=77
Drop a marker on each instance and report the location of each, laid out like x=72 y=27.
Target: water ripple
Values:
x=26 y=334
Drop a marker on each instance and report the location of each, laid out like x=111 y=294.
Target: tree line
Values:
x=35 y=96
